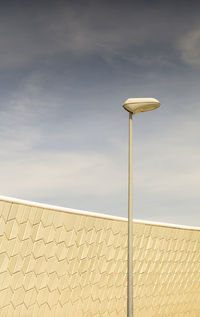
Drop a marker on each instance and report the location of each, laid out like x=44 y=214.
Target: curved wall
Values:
x=56 y=262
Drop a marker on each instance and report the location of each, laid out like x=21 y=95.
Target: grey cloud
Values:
x=190 y=46
x=63 y=132
x=110 y=32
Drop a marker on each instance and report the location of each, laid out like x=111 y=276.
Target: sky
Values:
x=66 y=68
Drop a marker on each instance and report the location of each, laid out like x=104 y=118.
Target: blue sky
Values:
x=66 y=67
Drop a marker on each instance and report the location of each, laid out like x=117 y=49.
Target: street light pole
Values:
x=133 y=106
x=130 y=221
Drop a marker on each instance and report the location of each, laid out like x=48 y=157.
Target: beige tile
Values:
x=62 y=264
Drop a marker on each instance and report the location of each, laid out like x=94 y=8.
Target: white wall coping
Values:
x=92 y=214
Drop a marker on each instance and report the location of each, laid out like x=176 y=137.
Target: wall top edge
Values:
x=92 y=214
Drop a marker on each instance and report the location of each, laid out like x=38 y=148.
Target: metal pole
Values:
x=130 y=223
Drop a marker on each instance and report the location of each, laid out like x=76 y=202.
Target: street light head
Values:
x=136 y=105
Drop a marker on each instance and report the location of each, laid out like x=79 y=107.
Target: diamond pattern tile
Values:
x=57 y=263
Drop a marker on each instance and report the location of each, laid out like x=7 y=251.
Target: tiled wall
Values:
x=56 y=263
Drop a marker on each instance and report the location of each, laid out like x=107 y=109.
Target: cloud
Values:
x=172 y=157
x=39 y=174
x=54 y=169
x=166 y=170
x=189 y=46
x=31 y=36
x=62 y=132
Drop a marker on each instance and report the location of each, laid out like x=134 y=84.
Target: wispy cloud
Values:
x=190 y=46
x=65 y=174
x=65 y=70
x=100 y=29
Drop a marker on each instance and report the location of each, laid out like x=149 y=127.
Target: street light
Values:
x=133 y=106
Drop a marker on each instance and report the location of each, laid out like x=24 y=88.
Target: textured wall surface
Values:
x=59 y=263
